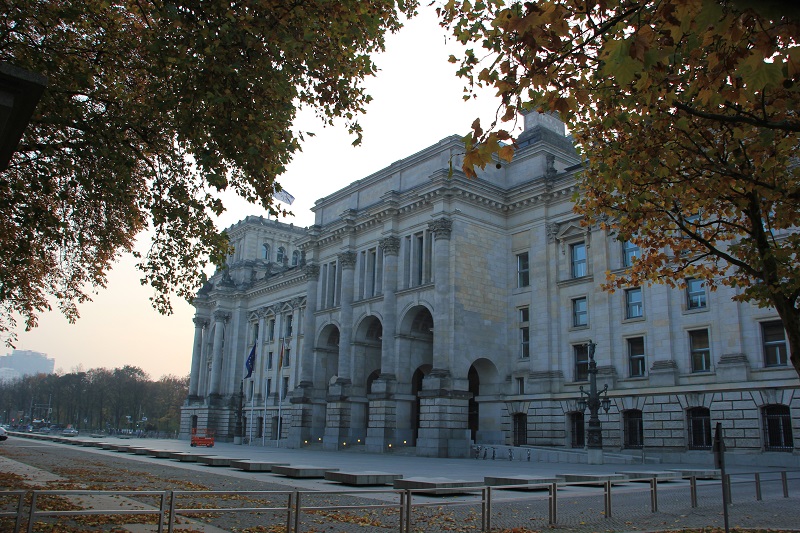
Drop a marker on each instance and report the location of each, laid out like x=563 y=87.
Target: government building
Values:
x=432 y=311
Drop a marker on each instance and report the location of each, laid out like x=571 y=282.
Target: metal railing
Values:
x=291 y=507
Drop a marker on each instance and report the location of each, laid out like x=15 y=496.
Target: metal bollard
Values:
x=408 y=510
x=488 y=518
x=289 y=507
x=493 y=453
x=297 y=512
x=785 y=483
x=529 y=456
x=727 y=482
x=553 y=501
x=758 y=486
x=607 y=490
x=402 y=511
x=693 y=490
x=654 y=494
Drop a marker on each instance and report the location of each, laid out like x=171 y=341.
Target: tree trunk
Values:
x=790 y=316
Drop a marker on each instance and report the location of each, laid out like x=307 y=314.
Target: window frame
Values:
x=523 y=270
x=579 y=352
x=580 y=318
x=696 y=293
x=636 y=360
x=632 y=429
x=698 y=424
x=524 y=333
x=630 y=252
x=578 y=266
x=631 y=306
x=695 y=351
x=776 y=422
x=779 y=347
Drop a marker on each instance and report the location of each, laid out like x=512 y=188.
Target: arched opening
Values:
x=484 y=417
x=327 y=356
x=367 y=353
x=281 y=257
x=371 y=378
x=295 y=258
x=265 y=252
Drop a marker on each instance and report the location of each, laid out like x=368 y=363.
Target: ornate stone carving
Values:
x=441 y=228
x=551 y=229
x=200 y=322
x=311 y=271
x=390 y=245
x=550 y=170
x=347 y=259
x=221 y=316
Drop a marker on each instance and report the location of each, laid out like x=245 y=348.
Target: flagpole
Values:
x=264 y=426
x=250 y=421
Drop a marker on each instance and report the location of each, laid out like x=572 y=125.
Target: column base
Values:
x=595 y=456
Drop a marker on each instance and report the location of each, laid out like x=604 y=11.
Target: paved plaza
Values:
x=580 y=507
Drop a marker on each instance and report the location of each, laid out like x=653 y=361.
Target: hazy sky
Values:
x=417 y=101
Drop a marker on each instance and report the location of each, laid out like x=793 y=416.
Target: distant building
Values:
x=425 y=309
x=21 y=363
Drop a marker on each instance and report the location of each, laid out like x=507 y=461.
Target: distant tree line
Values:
x=119 y=400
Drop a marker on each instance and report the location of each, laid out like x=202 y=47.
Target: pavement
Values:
x=580 y=508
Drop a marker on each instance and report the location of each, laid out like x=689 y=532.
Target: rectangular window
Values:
x=287 y=356
x=269 y=387
x=285 y=387
x=701 y=350
x=578 y=260
x=695 y=294
x=288 y=325
x=580 y=315
x=636 y=356
x=633 y=303
x=775 y=353
x=271 y=329
x=523 y=270
x=524 y=333
x=581 y=352
x=269 y=360
x=520 y=385
x=630 y=252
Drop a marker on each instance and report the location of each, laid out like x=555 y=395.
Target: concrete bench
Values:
x=500 y=481
x=437 y=485
x=699 y=473
x=185 y=457
x=215 y=460
x=361 y=479
x=648 y=475
x=594 y=479
x=255 y=466
x=162 y=454
x=301 y=471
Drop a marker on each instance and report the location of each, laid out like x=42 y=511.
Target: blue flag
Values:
x=250 y=364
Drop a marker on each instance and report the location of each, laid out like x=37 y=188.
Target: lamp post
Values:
x=594 y=400
x=237 y=430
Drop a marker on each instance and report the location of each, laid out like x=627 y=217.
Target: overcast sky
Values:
x=417 y=102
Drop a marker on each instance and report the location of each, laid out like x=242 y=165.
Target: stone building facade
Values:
x=423 y=309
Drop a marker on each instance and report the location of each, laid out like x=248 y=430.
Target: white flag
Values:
x=283 y=196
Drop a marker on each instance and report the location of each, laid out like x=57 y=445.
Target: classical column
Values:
x=442 y=318
x=347 y=262
x=220 y=318
x=382 y=412
x=339 y=413
x=444 y=429
x=309 y=328
x=197 y=355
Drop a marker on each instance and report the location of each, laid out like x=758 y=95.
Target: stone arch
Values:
x=326 y=354
x=367 y=340
x=484 y=418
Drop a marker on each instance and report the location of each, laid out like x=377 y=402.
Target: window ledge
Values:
x=694 y=311
x=575 y=281
x=634 y=319
x=578 y=328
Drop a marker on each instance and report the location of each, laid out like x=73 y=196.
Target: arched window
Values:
x=281 y=255
x=633 y=431
x=777 y=424
x=699 y=422
x=265 y=251
x=295 y=258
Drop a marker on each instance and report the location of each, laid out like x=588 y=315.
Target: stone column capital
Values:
x=200 y=322
x=390 y=245
x=441 y=228
x=347 y=259
x=221 y=316
x=311 y=271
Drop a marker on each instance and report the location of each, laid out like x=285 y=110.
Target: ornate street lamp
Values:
x=594 y=400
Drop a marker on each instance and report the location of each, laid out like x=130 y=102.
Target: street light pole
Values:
x=594 y=400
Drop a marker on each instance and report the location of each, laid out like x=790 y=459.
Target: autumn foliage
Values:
x=686 y=114
x=151 y=110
